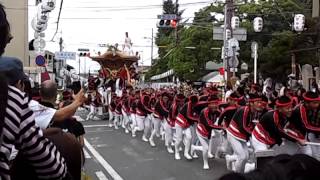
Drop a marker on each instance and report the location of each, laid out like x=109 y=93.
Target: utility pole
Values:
x=152 y=46
x=228 y=13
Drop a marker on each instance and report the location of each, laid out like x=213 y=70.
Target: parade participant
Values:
x=184 y=120
x=138 y=122
x=125 y=112
x=117 y=113
x=112 y=108
x=170 y=121
x=161 y=112
x=274 y=125
x=96 y=102
x=133 y=107
x=146 y=103
x=227 y=111
x=255 y=89
x=306 y=118
x=239 y=131
x=208 y=118
x=202 y=104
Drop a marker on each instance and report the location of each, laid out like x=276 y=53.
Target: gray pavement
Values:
x=134 y=159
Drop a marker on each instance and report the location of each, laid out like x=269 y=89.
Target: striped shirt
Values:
x=20 y=130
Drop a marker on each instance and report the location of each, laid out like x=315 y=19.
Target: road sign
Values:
x=233 y=69
x=254 y=49
x=233 y=47
x=83 y=49
x=233 y=62
x=168 y=16
x=40 y=60
x=39 y=43
x=254 y=46
x=65 y=55
x=240 y=34
x=244 y=66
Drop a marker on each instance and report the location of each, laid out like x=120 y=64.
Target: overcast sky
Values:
x=86 y=23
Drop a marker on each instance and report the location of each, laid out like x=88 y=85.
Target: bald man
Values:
x=45 y=112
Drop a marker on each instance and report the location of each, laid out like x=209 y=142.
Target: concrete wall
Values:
x=17 y=12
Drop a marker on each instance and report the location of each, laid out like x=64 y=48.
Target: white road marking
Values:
x=102 y=161
x=101 y=176
x=86 y=154
x=99 y=125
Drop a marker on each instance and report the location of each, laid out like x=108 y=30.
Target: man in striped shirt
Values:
x=17 y=125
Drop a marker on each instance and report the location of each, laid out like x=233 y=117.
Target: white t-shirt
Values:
x=43 y=115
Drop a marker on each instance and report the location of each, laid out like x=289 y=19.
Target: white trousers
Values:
x=240 y=149
x=111 y=117
x=168 y=134
x=132 y=120
x=138 y=122
x=204 y=141
x=156 y=122
x=224 y=146
x=315 y=149
x=257 y=145
x=126 y=119
x=92 y=112
x=147 y=125
x=117 y=120
x=188 y=138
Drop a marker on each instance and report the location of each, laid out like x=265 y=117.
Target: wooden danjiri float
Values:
x=118 y=68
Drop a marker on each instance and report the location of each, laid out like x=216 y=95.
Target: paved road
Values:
x=124 y=157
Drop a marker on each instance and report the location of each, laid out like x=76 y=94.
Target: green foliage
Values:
x=275 y=41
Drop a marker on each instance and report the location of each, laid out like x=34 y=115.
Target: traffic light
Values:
x=84 y=54
x=167 y=21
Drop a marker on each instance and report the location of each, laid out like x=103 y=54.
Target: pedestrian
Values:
x=17 y=124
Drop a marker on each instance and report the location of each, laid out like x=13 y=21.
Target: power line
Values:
x=58 y=21
x=134 y=7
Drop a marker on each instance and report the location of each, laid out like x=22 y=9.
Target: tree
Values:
x=165 y=38
x=275 y=41
x=190 y=63
x=277 y=38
